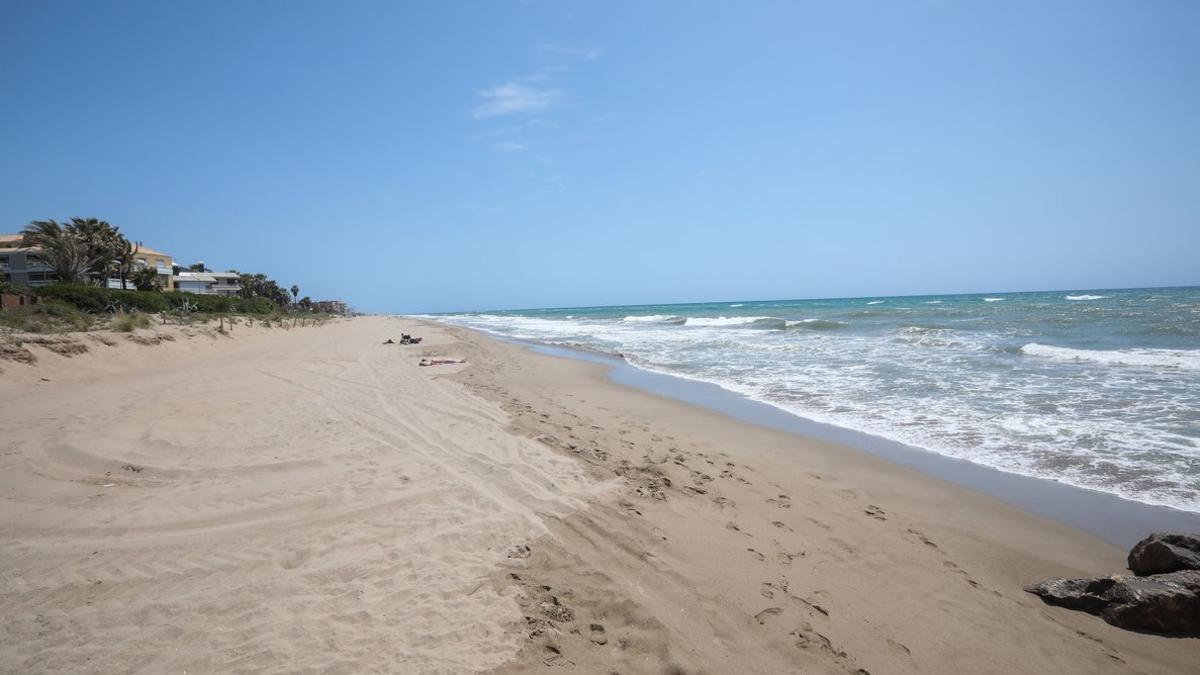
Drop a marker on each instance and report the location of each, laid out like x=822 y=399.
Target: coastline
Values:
x=1122 y=522
x=315 y=499
x=958 y=539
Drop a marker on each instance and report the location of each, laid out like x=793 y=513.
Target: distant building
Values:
x=24 y=265
x=331 y=306
x=209 y=283
x=148 y=257
x=21 y=265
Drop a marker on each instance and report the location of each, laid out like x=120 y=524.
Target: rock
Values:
x=1164 y=552
x=1162 y=603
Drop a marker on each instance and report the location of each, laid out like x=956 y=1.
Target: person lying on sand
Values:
x=389 y=341
x=440 y=362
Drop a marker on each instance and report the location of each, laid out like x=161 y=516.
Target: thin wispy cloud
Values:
x=516 y=97
x=523 y=130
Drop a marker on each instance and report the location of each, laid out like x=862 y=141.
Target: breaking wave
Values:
x=754 y=321
x=1185 y=359
x=656 y=318
x=817 y=324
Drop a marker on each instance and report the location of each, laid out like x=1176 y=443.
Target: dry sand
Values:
x=313 y=500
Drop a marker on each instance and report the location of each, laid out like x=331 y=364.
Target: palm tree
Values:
x=60 y=248
x=81 y=250
x=103 y=244
x=145 y=279
x=126 y=259
x=295 y=293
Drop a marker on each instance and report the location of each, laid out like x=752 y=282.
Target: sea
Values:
x=1099 y=388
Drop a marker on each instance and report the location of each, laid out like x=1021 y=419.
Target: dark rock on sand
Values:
x=1164 y=552
x=1162 y=603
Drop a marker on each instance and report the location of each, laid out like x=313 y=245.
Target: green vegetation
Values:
x=127 y=323
x=45 y=317
x=84 y=250
x=145 y=279
x=97 y=300
x=7 y=287
x=261 y=286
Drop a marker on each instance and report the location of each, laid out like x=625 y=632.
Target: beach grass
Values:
x=45 y=317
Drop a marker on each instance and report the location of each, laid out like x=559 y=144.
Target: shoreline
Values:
x=1118 y=520
x=314 y=499
x=860 y=514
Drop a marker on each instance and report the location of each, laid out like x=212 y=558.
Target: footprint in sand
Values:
x=898 y=648
x=767 y=614
x=875 y=512
x=923 y=539
x=782 y=501
x=756 y=554
x=734 y=526
x=596 y=634
x=767 y=588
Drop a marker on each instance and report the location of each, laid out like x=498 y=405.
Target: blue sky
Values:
x=449 y=155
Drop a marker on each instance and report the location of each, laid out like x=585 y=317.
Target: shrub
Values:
x=95 y=300
x=213 y=304
x=143 y=301
x=9 y=287
x=254 y=306
x=87 y=298
x=48 y=316
x=126 y=323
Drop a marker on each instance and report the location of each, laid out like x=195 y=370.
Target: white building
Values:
x=208 y=283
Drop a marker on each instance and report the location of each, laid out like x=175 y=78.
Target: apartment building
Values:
x=209 y=283
x=25 y=266
x=22 y=265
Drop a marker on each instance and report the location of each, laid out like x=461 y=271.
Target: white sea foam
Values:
x=875 y=302
x=654 y=318
x=1186 y=359
x=726 y=320
x=1084 y=297
x=993 y=299
x=1118 y=419
x=933 y=302
x=816 y=324
x=737 y=305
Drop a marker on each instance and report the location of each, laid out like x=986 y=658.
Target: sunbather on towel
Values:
x=440 y=362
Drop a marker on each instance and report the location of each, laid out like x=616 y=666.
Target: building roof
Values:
x=149 y=251
x=195 y=276
x=14 y=241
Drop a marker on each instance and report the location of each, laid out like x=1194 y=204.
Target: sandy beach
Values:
x=313 y=500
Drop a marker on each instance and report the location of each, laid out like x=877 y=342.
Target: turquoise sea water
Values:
x=1099 y=389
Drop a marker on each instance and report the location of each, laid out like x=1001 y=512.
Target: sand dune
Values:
x=312 y=500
